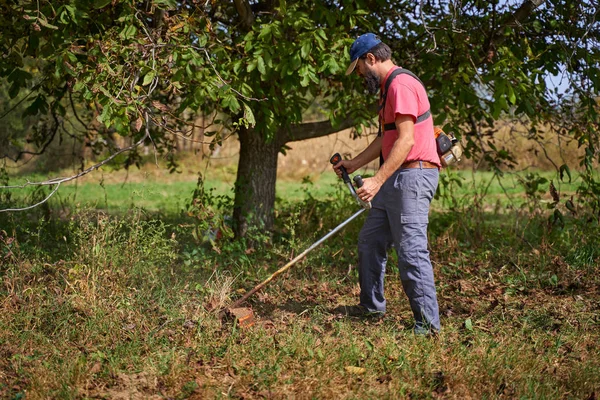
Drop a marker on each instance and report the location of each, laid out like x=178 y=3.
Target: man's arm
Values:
x=406 y=139
x=369 y=154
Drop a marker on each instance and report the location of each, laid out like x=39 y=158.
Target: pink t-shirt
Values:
x=406 y=95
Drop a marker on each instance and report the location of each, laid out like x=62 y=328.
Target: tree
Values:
x=263 y=64
x=142 y=64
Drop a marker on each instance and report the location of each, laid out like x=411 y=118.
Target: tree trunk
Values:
x=257 y=171
x=255 y=182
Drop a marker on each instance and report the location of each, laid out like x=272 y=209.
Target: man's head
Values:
x=365 y=53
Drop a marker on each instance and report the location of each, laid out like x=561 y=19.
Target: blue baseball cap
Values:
x=360 y=47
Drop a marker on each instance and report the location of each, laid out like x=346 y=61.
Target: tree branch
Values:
x=514 y=21
x=245 y=12
x=317 y=129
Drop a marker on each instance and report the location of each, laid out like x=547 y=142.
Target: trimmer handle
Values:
x=336 y=158
x=358 y=180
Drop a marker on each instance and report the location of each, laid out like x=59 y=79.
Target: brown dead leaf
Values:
x=355 y=370
x=554 y=192
x=189 y=324
x=97 y=367
x=465 y=286
x=129 y=327
x=138 y=124
x=160 y=106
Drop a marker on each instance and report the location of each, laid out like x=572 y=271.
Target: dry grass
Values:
x=97 y=306
x=113 y=313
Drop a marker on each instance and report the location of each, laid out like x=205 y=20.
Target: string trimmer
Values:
x=245 y=316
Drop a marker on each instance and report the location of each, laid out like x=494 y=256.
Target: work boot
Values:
x=357 y=311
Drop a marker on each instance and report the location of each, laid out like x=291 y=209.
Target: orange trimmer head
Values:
x=243 y=316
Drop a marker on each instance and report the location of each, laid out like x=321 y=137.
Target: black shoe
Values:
x=357 y=311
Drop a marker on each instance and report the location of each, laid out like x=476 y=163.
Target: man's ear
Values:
x=371 y=58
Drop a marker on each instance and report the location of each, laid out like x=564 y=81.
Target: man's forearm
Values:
x=369 y=154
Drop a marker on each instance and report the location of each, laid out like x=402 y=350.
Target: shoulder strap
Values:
x=388 y=82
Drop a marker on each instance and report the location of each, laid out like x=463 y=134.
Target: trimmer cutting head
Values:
x=243 y=316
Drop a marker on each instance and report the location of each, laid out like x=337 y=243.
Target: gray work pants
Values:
x=400 y=216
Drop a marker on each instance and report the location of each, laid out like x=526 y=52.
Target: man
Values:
x=401 y=190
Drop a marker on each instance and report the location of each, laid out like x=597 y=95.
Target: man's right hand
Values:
x=348 y=164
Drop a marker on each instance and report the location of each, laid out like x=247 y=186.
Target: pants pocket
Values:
x=413 y=207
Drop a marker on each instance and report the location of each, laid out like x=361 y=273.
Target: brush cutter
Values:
x=244 y=316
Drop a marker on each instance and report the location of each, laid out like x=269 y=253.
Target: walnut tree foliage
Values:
x=143 y=69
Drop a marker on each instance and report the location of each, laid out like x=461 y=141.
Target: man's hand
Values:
x=369 y=189
x=348 y=164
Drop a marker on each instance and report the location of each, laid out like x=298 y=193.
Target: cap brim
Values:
x=351 y=67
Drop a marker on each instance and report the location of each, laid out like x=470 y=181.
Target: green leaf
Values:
x=128 y=32
x=283 y=6
x=229 y=101
x=149 y=77
x=14 y=90
x=261 y=65
x=46 y=24
x=39 y=105
x=265 y=32
x=511 y=95
x=469 y=324
x=557 y=218
x=168 y=4
x=305 y=50
x=249 y=115
x=101 y=3
x=564 y=169
x=321 y=33
x=237 y=66
x=202 y=40
x=305 y=80
x=334 y=67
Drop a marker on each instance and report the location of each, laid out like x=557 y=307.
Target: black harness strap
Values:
x=392 y=125
x=388 y=82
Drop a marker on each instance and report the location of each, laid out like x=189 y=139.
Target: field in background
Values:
x=152 y=187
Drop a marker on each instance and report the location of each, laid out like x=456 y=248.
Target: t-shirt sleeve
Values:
x=403 y=100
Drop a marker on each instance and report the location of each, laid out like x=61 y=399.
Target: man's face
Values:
x=368 y=74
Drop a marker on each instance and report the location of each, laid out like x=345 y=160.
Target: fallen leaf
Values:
x=97 y=367
x=469 y=324
x=355 y=370
x=189 y=324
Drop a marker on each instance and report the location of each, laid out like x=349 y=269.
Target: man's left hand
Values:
x=369 y=189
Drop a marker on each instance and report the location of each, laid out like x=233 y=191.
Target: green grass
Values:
x=169 y=197
x=124 y=303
